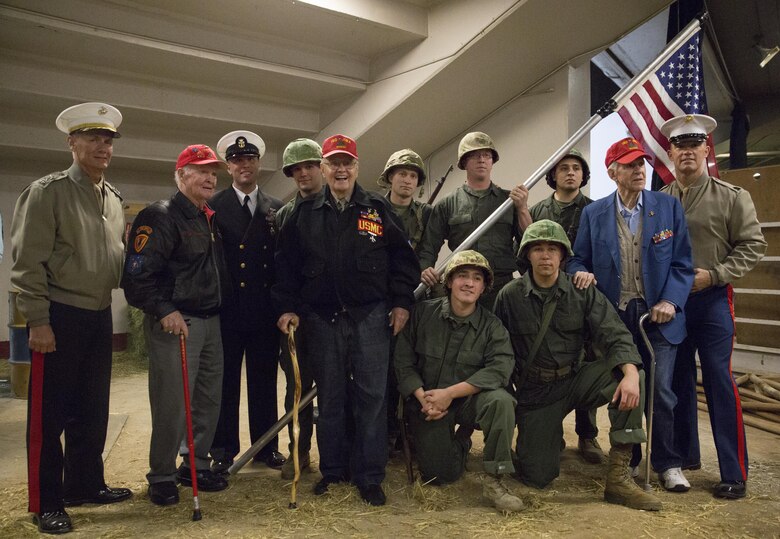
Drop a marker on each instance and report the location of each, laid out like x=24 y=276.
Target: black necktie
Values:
x=247 y=211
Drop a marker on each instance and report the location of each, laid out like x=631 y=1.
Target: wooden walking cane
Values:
x=296 y=430
x=196 y=515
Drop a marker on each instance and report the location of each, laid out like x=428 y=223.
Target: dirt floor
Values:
x=256 y=503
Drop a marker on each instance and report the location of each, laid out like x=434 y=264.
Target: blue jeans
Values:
x=349 y=362
x=663 y=452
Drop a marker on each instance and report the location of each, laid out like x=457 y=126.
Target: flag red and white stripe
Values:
x=676 y=88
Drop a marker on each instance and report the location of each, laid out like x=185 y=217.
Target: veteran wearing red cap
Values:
x=727 y=243
x=175 y=273
x=343 y=262
x=635 y=244
x=67 y=257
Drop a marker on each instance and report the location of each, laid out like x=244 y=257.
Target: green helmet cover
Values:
x=544 y=230
x=573 y=153
x=475 y=141
x=402 y=158
x=469 y=258
x=299 y=151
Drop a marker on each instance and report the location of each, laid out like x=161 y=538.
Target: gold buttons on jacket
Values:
x=242 y=265
x=243 y=284
x=241 y=246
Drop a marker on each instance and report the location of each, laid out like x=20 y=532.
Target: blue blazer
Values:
x=667 y=262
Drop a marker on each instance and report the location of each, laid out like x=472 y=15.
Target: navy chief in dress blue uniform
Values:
x=246 y=218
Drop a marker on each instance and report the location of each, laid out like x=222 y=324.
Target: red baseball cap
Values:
x=624 y=152
x=198 y=154
x=339 y=144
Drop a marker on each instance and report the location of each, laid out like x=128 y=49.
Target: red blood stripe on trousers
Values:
x=740 y=425
x=36 y=434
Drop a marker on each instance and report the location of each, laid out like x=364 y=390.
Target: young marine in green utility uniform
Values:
x=458 y=214
x=453 y=361
x=301 y=162
x=548 y=319
x=564 y=206
x=403 y=174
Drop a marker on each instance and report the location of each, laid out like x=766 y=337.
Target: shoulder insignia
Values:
x=721 y=183
x=113 y=189
x=142 y=234
x=54 y=176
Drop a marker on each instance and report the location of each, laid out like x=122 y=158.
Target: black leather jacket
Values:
x=328 y=262
x=175 y=260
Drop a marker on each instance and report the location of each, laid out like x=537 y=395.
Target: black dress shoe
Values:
x=730 y=491
x=208 y=481
x=164 y=493
x=221 y=466
x=322 y=486
x=53 y=522
x=274 y=459
x=102 y=497
x=373 y=495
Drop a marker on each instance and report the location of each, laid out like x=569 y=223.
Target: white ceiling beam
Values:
x=398 y=15
x=32 y=78
x=79 y=28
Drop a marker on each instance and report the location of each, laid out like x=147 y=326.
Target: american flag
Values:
x=674 y=89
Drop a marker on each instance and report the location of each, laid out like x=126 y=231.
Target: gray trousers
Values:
x=166 y=393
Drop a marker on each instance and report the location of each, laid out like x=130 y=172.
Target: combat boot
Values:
x=496 y=494
x=621 y=488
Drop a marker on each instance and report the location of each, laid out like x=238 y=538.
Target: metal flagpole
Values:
x=605 y=110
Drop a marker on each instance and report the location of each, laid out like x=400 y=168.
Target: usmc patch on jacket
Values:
x=370 y=224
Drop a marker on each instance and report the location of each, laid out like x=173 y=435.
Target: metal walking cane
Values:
x=188 y=414
x=642 y=319
x=296 y=430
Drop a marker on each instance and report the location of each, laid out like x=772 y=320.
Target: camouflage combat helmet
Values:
x=576 y=154
x=299 y=151
x=475 y=141
x=402 y=158
x=469 y=258
x=544 y=230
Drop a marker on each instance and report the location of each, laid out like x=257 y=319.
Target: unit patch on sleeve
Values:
x=141 y=237
x=134 y=264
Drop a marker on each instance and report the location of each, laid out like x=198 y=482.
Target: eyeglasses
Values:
x=480 y=154
x=348 y=164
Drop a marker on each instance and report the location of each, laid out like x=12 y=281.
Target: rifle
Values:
x=439 y=183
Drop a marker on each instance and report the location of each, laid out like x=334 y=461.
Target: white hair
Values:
x=177 y=176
